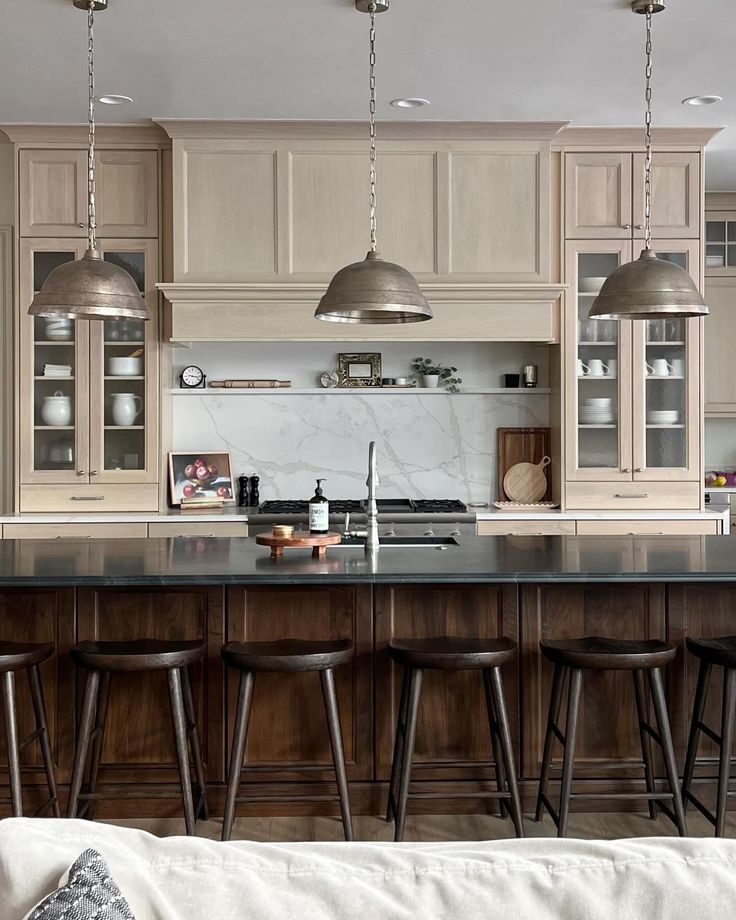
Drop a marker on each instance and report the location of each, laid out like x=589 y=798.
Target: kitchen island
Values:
x=527 y=588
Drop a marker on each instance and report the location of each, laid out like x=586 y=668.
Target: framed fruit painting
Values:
x=200 y=477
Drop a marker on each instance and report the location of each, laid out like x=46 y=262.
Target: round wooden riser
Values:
x=318 y=542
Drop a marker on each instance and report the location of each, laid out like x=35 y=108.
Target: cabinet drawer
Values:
x=90 y=531
x=674 y=528
x=516 y=528
x=86 y=498
x=629 y=496
x=198 y=529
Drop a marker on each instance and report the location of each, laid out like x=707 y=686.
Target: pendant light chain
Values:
x=91 y=210
x=648 y=136
x=372 y=121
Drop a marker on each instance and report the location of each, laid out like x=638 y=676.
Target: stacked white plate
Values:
x=596 y=411
x=663 y=416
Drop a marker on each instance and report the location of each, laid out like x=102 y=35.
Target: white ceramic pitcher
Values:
x=126 y=407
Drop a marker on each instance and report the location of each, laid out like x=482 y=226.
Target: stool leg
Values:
x=39 y=710
x=11 y=732
x=182 y=750
x=644 y=738
x=724 y=764
x=103 y=699
x=555 y=702
x=493 y=724
x=415 y=690
x=85 y=729
x=393 y=789
x=701 y=695
x=203 y=811
x=568 y=760
x=493 y=676
x=663 y=724
x=327 y=678
x=240 y=732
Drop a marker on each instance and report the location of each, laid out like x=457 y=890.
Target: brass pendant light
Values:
x=649 y=287
x=90 y=287
x=373 y=291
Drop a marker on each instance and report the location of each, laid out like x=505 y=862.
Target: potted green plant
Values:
x=432 y=374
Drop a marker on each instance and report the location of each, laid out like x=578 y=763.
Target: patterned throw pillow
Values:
x=88 y=893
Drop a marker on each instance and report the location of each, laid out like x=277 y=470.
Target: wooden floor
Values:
x=432 y=828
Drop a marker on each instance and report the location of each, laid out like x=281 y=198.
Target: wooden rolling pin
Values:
x=250 y=384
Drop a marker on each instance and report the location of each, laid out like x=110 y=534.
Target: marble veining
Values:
x=439 y=446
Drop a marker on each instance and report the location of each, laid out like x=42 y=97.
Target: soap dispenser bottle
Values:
x=319 y=511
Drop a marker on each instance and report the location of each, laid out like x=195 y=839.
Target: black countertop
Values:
x=238 y=561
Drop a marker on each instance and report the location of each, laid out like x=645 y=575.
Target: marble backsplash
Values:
x=433 y=446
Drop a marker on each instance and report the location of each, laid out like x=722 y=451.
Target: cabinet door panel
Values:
x=675 y=195
x=452 y=739
x=720 y=379
x=287 y=736
x=53 y=199
x=598 y=195
x=496 y=215
x=608 y=735
x=127 y=193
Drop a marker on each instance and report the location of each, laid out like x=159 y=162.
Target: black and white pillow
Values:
x=87 y=892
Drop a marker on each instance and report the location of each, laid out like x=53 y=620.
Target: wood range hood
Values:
x=264 y=213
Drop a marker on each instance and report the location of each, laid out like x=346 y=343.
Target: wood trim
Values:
x=633 y=138
x=7 y=377
x=76 y=135
x=720 y=201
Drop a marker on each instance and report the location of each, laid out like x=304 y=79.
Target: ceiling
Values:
x=479 y=60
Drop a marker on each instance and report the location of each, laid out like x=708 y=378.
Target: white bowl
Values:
x=125 y=367
x=597 y=402
x=591 y=285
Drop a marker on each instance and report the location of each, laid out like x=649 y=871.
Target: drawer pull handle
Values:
x=632 y=495
x=88 y=498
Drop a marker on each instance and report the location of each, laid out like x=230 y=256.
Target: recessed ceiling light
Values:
x=412 y=102
x=114 y=100
x=702 y=100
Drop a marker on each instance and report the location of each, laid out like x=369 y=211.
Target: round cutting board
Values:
x=526 y=482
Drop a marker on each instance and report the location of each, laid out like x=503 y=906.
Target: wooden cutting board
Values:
x=521 y=445
x=526 y=482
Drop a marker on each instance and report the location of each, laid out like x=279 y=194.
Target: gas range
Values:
x=386 y=506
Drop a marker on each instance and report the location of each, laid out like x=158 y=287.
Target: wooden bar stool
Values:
x=571 y=657
x=286 y=656
x=102 y=660
x=452 y=654
x=722 y=653
x=22 y=656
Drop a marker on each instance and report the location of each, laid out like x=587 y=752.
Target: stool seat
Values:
x=287 y=655
x=604 y=654
x=17 y=656
x=449 y=653
x=136 y=655
x=720 y=651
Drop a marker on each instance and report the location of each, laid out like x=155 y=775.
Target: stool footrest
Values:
x=243 y=799
x=550 y=808
x=633 y=796
x=163 y=791
x=707 y=730
x=652 y=732
x=490 y=794
x=555 y=729
x=31 y=738
x=689 y=797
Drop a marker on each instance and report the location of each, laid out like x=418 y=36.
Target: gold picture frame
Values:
x=359 y=369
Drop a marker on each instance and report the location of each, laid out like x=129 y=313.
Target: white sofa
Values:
x=179 y=878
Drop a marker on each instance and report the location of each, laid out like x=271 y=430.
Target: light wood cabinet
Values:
x=648 y=527
x=80 y=531
x=510 y=528
x=88 y=443
x=604 y=195
x=198 y=529
x=720 y=379
x=53 y=193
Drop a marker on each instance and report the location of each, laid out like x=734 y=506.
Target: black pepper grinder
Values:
x=255 y=498
x=242 y=491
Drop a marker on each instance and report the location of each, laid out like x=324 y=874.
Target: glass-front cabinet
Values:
x=720 y=242
x=88 y=406
x=633 y=396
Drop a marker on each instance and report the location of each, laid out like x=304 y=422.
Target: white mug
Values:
x=658 y=368
x=612 y=367
x=583 y=369
x=596 y=368
x=676 y=367
x=126 y=407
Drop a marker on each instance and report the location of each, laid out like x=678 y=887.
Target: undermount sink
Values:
x=405 y=542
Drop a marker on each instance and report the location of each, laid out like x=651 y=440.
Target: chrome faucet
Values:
x=372 y=482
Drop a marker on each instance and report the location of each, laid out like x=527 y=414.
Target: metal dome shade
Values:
x=648 y=288
x=90 y=288
x=373 y=292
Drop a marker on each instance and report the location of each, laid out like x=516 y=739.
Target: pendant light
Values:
x=649 y=287
x=373 y=291
x=90 y=287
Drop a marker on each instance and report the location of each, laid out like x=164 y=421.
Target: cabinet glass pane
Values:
x=54 y=360
x=666 y=387
x=124 y=386
x=715 y=255
x=732 y=231
x=597 y=369
x=715 y=231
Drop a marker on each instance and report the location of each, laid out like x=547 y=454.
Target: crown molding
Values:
x=348 y=130
x=610 y=136
x=139 y=135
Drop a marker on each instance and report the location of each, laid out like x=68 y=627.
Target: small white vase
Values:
x=430 y=380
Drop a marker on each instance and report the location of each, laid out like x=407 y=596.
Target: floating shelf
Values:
x=362 y=391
